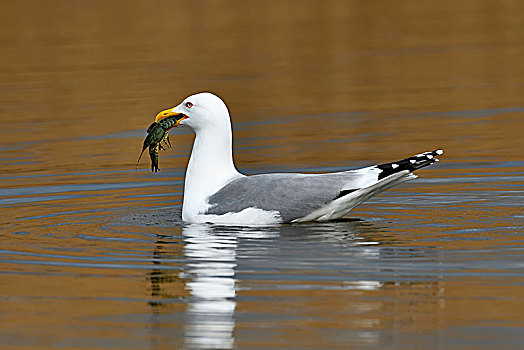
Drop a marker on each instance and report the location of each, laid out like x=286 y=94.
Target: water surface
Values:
x=94 y=255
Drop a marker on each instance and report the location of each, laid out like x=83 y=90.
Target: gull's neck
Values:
x=210 y=168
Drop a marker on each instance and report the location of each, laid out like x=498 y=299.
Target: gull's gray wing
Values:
x=292 y=195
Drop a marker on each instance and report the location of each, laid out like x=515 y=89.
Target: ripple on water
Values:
x=116 y=240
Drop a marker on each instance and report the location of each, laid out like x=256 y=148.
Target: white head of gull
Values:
x=216 y=192
x=211 y=164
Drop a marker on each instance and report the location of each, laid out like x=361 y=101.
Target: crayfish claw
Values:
x=153 y=154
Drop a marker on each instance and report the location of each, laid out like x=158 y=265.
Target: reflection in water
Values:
x=211 y=262
x=165 y=284
x=167 y=289
x=211 y=254
x=350 y=275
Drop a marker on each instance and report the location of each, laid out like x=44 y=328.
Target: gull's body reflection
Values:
x=211 y=268
x=213 y=255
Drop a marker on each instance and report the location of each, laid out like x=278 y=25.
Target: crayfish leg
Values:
x=166 y=140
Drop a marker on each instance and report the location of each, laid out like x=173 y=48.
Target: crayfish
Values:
x=156 y=134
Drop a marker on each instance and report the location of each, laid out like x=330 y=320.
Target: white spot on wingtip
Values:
x=430 y=156
x=439 y=151
x=412 y=161
x=394 y=166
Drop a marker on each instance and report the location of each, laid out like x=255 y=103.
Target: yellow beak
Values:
x=168 y=113
x=164 y=114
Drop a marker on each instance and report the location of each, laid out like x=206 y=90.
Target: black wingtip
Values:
x=412 y=163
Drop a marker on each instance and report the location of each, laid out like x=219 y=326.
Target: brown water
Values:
x=93 y=255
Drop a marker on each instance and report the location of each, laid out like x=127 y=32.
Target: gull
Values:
x=216 y=192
